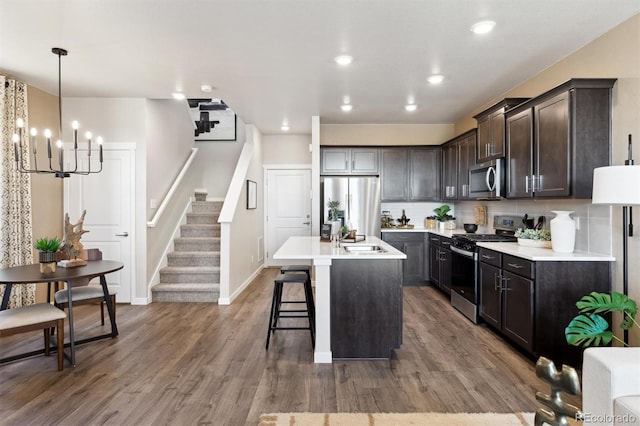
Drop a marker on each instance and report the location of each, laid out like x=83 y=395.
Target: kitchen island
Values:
x=358 y=296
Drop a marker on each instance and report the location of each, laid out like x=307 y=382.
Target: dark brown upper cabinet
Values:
x=491 y=129
x=458 y=155
x=410 y=174
x=555 y=140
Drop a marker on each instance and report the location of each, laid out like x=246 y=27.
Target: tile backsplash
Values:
x=593 y=221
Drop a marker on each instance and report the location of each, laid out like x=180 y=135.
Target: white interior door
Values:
x=288 y=208
x=107 y=198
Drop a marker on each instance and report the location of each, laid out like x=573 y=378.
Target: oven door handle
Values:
x=470 y=255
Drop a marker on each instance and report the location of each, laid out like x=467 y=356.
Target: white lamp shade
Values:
x=617 y=185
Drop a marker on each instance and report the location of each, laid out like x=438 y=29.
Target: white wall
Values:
x=169 y=143
x=286 y=149
x=217 y=161
x=247 y=231
x=385 y=134
x=119 y=120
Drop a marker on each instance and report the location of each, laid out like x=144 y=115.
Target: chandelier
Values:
x=59 y=171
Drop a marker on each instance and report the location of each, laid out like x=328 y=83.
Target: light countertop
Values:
x=514 y=249
x=545 y=254
x=448 y=233
x=313 y=248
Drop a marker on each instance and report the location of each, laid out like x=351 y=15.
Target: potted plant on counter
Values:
x=334 y=216
x=532 y=237
x=48 y=253
x=445 y=220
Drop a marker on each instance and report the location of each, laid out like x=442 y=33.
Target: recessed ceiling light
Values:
x=206 y=88
x=411 y=107
x=343 y=60
x=346 y=107
x=284 y=127
x=178 y=96
x=435 y=79
x=482 y=27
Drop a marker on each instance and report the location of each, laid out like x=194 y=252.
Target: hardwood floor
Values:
x=189 y=363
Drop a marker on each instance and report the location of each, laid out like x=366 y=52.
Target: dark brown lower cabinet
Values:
x=366 y=308
x=531 y=303
x=413 y=245
x=440 y=272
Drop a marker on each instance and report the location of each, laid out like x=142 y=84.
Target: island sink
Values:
x=364 y=249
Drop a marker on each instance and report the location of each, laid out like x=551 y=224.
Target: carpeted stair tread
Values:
x=191 y=269
x=186 y=287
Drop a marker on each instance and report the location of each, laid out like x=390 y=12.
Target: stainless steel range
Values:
x=464 y=289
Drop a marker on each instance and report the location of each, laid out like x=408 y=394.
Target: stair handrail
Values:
x=167 y=198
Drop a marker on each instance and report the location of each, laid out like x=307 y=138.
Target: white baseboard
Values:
x=323 y=357
x=228 y=300
x=139 y=301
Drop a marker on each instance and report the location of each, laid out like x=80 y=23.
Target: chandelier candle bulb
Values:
x=34 y=133
x=88 y=135
x=100 y=145
x=60 y=155
x=15 y=146
x=20 y=123
x=75 y=125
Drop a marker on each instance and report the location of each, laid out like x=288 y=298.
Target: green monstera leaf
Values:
x=615 y=302
x=588 y=330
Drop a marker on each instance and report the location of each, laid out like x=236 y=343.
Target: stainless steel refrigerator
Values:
x=359 y=202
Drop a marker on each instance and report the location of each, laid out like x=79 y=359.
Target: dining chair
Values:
x=41 y=316
x=86 y=295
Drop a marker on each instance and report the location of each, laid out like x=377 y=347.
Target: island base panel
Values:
x=366 y=308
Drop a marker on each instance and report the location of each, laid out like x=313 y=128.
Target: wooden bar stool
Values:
x=276 y=304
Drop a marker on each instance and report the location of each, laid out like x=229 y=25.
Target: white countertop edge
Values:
x=313 y=248
x=545 y=254
x=448 y=233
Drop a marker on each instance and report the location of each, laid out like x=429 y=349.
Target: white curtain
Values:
x=16 y=236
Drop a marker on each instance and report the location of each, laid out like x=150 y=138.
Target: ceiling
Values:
x=272 y=60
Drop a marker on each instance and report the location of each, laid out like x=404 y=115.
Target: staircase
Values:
x=193 y=269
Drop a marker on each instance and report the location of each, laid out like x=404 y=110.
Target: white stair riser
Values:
x=190 y=296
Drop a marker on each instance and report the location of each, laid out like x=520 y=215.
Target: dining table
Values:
x=72 y=277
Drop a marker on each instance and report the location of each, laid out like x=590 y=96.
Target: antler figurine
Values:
x=72 y=233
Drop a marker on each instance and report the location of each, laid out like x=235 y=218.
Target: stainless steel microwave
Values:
x=487 y=180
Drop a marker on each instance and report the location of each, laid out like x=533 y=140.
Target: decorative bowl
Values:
x=534 y=243
x=470 y=228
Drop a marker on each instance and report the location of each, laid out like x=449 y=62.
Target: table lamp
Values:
x=620 y=186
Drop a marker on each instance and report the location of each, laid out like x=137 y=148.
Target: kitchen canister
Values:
x=563 y=232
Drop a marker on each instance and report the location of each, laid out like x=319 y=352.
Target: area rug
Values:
x=396 y=419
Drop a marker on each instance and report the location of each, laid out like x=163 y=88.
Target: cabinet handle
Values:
x=486 y=256
x=526 y=184
x=505 y=287
x=537 y=187
x=515 y=265
x=486 y=149
x=496 y=282
x=353 y=164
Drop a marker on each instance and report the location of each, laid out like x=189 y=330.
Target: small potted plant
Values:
x=334 y=218
x=534 y=237
x=445 y=220
x=589 y=328
x=48 y=253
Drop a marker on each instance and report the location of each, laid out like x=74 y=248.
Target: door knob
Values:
x=124 y=234
x=306 y=223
